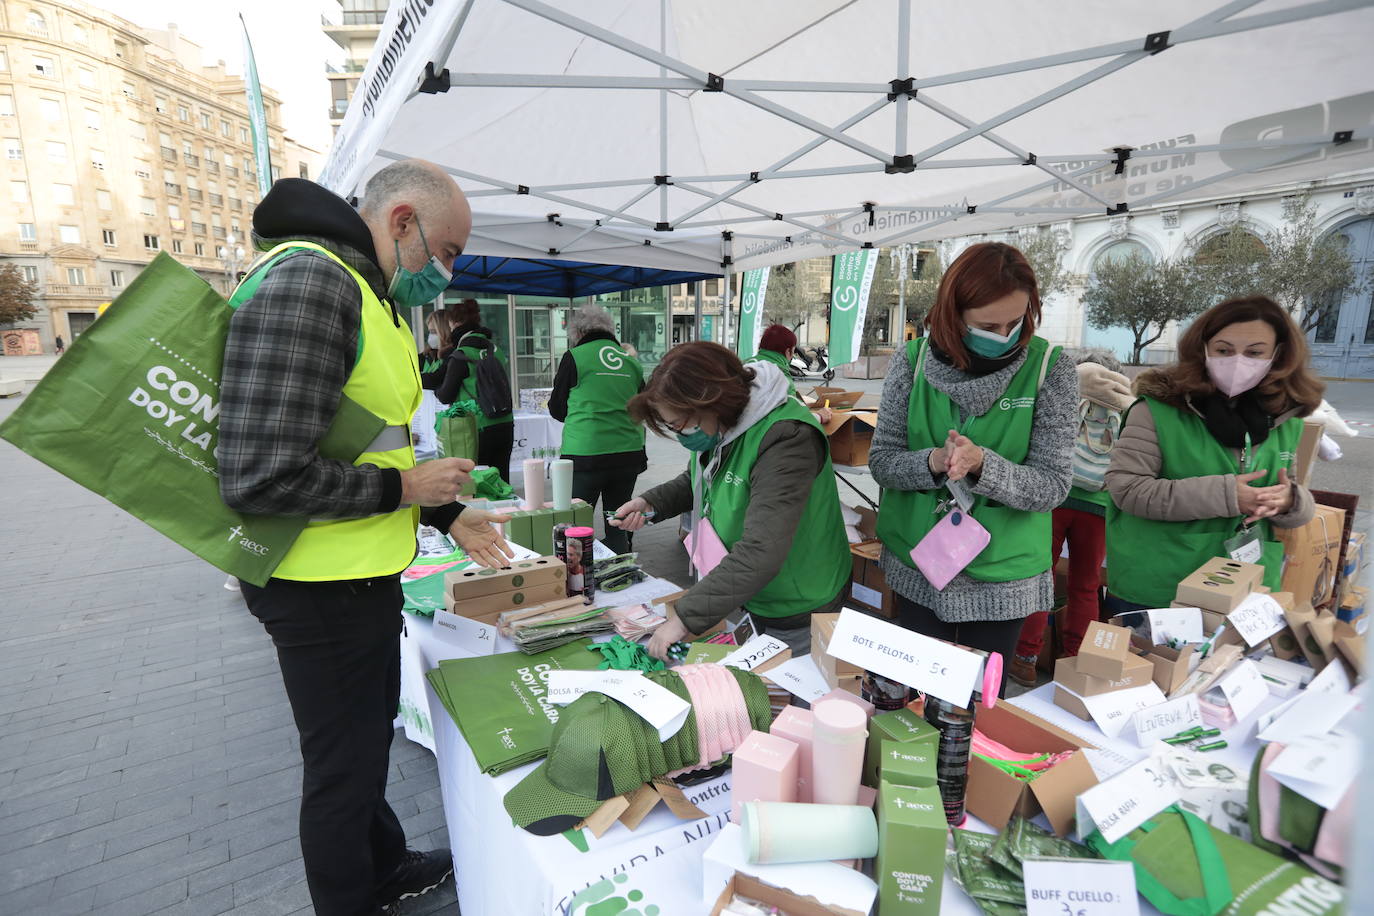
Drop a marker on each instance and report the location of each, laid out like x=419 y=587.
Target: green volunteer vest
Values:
x=386 y=381
x=598 y=423
x=467 y=389
x=777 y=359
x=1147 y=558
x=1020 y=546
x=818 y=565
x=1088 y=501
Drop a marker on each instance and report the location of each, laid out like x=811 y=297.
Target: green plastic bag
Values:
x=131 y=412
x=456 y=427
x=488 y=484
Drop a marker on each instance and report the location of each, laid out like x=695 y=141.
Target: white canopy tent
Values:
x=714 y=135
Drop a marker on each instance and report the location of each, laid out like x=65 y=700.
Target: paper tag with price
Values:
x=800 y=677
x=929 y=665
x=659 y=706
x=472 y=636
x=1129 y=798
x=1080 y=887
x=1257 y=618
x=754 y=653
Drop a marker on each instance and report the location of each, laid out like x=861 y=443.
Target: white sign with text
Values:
x=1080 y=887
x=1257 y=618
x=1321 y=769
x=1182 y=624
x=657 y=705
x=1167 y=719
x=1130 y=798
x=1245 y=689
x=929 y=665
x=1114 y=709
x=472 y=636
x=800 y=677
x=754 y=653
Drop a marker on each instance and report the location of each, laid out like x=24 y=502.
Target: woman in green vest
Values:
x=983 y=401
x=776 y=346
x=591 y=391
x=759 y=476
x=470 y=341
x=1202 y=466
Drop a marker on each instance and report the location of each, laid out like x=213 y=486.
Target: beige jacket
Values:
x=1134 y=483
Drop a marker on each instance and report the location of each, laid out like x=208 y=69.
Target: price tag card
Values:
x=1113 y=710
x=1321 y=769
x=1245 y=688
x=659 y=706
x=754 y=653
x=1130 y=798
x=1156 y=723
x=929 y=665
x=800 y=677
x=1080 y=887
x=1257 y=618
x=1307 y=714
x=1179 y=623
x=472 y=636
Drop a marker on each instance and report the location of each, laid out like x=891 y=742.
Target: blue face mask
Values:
x=990 y=345
x=698 y=441
x=407 y=289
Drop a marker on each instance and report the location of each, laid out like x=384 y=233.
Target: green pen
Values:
x=1214 y=746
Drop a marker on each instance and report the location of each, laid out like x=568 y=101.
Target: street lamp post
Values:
x=233 y=261
x=900 y=259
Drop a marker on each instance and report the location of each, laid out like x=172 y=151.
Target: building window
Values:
x=76 y=276
x=226 y=129
x=159 y=104
x=92 y=119
x=103 y=200
x=173 y=211
x=27 y=233
x=4 y=60
x=79 y=34
x=116 y=278
x=143 y=173
x=176 y=246
x=57 y=152
x=146 y=206
x=164 y=139
x=45 y=66
x=36 y=24
x=183 y=113
x=219 y=251
x=150 y=242
x=71 y=235
x=121 y=50
x=63 y=195
x=243 y=135
x=19 y=192
x=14 y=149
x=129 y=91
x=200 y=249
x=85 y=77
x=6 y=106
x=107 y=236
x=139 y=131
x=30 y=274
x=206 y=121
x=51 y=109
x=98 y=160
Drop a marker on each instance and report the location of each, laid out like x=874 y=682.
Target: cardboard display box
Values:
x=1105 y=651
x=484 y=606
x=898 y=725
x=995 y=796
x=832 y=669
x=851 y=436
x=868 y=589
x=1219 y=584
x=1312 y=555
x=1307 y=451
x=1139 y=671
x=839 y=398
x=912 y=833
x=1353 y=604
x=475 y=582
x=787 y=902
x=1171 y=666
x=907 y=763
x=1066 y=701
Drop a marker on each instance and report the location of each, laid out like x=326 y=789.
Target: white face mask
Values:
x=433 y=341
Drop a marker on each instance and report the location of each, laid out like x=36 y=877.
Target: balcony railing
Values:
x=220 y=233
x=194 y=194
x=169 y=154
x=212 y=167
x=198 y=228
x=216 y=200
x=231 y=171
x=191 y=158
x=235 y=203
x=173 y=190
x=87 y=291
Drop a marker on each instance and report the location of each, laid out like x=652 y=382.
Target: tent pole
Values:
x=514 y=351
x=725 y=309
x=696 y=308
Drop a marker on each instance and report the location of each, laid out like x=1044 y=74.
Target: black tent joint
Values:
x=1122 y=153
x=727 y=262
x=1119 y=208
x=1343 y=136
x=777 y=216
x=647 y=243
x=868 y=244
x=972 y=208
x=433 y=83
x=715 y=83
x=353 y=202
x=787 y=239
x=522 y=189
x=904 y=87
x=868 y=206
x=727 y=236
x=1156 y=42
x=552 y=217
x=661 y=180
x=754 y=177
x=663 y=227
x=902 y=164
x=553 y=252
x=598 y=223
x=1030 y=159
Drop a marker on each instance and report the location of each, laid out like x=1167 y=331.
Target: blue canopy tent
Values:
x=565 y=279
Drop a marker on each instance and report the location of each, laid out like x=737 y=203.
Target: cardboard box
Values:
x=484 y=606
x=851 y=436
x=1350 y=645
x=839 y=398
x=832 y=669
x=1105 y=651
x=1066 y=701
x=1139 y=671
x=787 y=902
x=1219 y=584
x=868 y=589
x=910 y=867
x=1353 y=604
x=1312 y=556
x=1171 y=666
x=1299 y=620
x=902 y=726
x=473 y=583
x=906 y=763
x=995 y=796
x=1307 y=451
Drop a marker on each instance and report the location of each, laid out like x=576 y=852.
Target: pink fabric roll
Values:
x=701 y=705
x=741 y=727
x=1333 y=839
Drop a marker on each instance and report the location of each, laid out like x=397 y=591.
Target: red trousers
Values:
x=1087 y=537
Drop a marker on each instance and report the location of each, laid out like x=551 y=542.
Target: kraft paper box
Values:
x=994 y=795
x=484 y=606
x=1105 y=651
x=1351 y=648
x=1139 y=671
x=907 y=764
x=832 y=669
x=851 y=436
x=900 y=725
x=1172 y=666
x=475 y=582
x=868 y=588
x=1299 y=621
x=1219 y=584
x=839 y=398
x=1307 y=451
x=1353 y=604
x=785 y=901
x=910 y=869
x=1070 y=703
x=1311 y=554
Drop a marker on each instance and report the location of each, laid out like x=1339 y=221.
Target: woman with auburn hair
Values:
x=1201 y=467
x=984 y=401
x=760 y=479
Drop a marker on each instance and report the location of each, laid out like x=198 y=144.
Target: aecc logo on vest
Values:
x=1013 y=403
x=612 y=358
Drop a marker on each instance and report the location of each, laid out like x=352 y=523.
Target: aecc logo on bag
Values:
x=248 y=544
x=1013 y=403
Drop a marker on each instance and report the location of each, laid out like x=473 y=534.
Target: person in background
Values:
x=1104 y=394
x=59 y=344
x=985 y=401
x=760 y=476
x=335 y=278
x=777 y=344
x=438 y=345
x=495 y=435
x=1204 y=455
x=595 y=381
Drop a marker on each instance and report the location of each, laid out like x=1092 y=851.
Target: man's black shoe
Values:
x=419 y=873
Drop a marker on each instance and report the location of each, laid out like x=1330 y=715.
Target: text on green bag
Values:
x=181 y=393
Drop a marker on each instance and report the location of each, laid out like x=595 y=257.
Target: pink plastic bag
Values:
x=954 y=542
x=704 y=547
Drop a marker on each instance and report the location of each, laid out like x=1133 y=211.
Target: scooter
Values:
x=811 y=364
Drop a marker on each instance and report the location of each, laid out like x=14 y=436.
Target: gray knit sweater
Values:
x=1038 y=485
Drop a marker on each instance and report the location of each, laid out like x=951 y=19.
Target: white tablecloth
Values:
x=532 y=431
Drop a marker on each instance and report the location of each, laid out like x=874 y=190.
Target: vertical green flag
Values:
x=751 y=311
x=850 y=281
x=256 y=116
